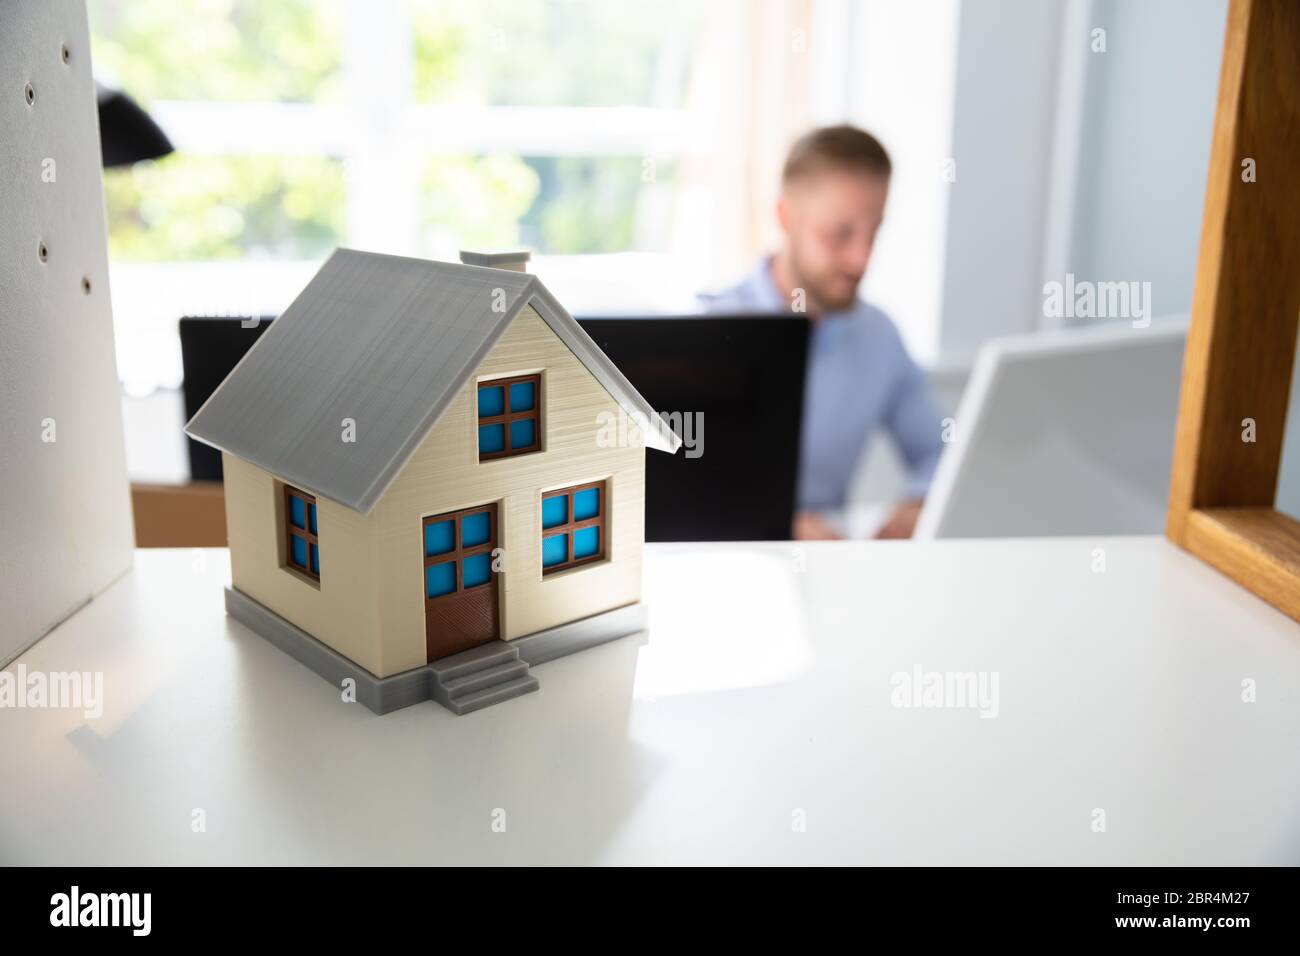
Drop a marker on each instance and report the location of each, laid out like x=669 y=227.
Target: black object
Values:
x=127 y=134
x=210 y=348
x=741 y=375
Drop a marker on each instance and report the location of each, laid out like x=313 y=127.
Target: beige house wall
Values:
x=369 y=605
x=342 y=611
x=445 y=475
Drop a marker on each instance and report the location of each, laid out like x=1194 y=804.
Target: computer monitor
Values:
x=732 y=385
x=737 y=380
x=1065 y=433
x=210 y=348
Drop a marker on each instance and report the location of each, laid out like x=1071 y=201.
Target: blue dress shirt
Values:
x=859 y=379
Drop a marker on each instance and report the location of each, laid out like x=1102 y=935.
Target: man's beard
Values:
x=820 y=297
x=830 y=303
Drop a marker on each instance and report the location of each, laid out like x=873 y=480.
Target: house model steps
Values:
x=434 y=479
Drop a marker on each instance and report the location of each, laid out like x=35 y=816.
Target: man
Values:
x=860 y=376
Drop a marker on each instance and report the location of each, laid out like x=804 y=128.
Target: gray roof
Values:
x=388 y=342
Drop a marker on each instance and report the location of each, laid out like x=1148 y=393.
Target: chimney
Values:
x=516 y=260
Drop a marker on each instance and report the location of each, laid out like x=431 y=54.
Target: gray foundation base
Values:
x=462 y=682
x=542 y=646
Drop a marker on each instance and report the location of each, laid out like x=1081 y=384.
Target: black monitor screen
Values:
x=732 y=387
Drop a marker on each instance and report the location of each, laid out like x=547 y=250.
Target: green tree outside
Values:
x=489 y=52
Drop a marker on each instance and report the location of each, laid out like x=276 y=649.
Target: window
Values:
x=302 y=551
x=508 y=422
x=458 y=551
x=573 y=526
x=561 y=125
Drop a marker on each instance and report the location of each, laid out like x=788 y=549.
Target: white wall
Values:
x=901 y=70
x=1066 y=160
x=1145 y=144
x=1002 y=138
x=1075 y=160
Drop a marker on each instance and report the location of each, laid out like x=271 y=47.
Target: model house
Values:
x=424 y=493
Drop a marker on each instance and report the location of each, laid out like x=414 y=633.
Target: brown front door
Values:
x=460 y=587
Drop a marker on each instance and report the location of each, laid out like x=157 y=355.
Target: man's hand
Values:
x=902 y=522
x=810 y=526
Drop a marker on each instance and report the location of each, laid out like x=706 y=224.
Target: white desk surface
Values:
x=762 y=692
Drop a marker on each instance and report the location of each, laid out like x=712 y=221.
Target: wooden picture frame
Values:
x=1245 y=311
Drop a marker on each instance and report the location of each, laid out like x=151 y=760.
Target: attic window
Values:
x=508 y=418
x=302 y=547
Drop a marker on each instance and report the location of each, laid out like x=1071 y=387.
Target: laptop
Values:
x=730 y=385
x=1063 y=433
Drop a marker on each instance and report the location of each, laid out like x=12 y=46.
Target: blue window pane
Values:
x=491 y=438
x=440 y=579
x=586 y=504
x=523 y=395
x=492 y=401
x=474 y=529
x=475 y=570
x=586 y=542
x=523 y=434
x=315 y=559
x=438 y=538
x=296 y=516
x=555 y=511
x=555 y=550
x=311 y=518
x=298 y=550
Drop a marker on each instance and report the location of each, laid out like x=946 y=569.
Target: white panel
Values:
x=65 y=513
